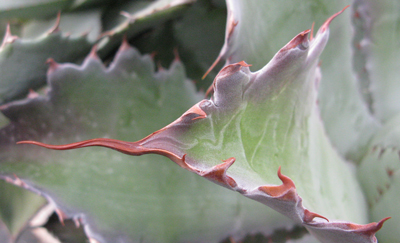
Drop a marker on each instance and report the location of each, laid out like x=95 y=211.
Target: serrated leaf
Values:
x=120 y=198
x=31 y=8
x=379 y=176
x=76 y=24
x=377 y=29
x=254 y=123
x=186 y=36
x=15 y=212
x=136 y=16
x=23 y=62
x=346 y=117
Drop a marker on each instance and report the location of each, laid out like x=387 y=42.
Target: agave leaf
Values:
x=202 y=18
x=378 y=34
x=23 y=62
x=84 y=4
x=186 y=35
x=255 y=123
x=120 y=198
x=75 y=24
x=5 y=235
x=15 y=212
x=133 y=17
x=32 y=8
x=344 y=112
x=379 y=176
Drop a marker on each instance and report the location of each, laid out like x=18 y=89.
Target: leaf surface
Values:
x=15 y=212
x=377 y=29
x=346 y=117
x=32 y=8
x=136 y=16
x=257 y=122
x=23 y=61
x=379 y=177
x=117 y=197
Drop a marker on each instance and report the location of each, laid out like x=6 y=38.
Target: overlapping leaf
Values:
x=379 y=176
x=254 y=36
x=120 y=198
x=377 y=32
x=23 y=61
x=136 y=17
x=256 y=122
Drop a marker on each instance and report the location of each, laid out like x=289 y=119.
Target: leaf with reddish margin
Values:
x=255 y=36
x=120 y=198
x=256 y=122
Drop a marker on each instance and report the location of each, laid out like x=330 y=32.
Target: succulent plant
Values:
x=302 y=143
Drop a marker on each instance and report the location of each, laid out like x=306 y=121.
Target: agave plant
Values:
x=301 y=138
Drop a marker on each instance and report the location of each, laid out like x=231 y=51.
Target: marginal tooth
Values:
x=77 y=222
x=286 y=191
x=61 y=215
x=182 y=163
x=125 y=44
x=56 y=26
x=32 y=94
x=218 y=173
x=8 y=37
x=93 y=53
x=53 y=65
x=309 y=216
x=195 y=110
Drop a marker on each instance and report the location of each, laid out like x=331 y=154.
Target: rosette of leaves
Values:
x=256 y=123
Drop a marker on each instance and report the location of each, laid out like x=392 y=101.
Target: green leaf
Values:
x=377 y=31
x=32 y=8
x=117 y=197
x=255 y=123
x=343 y=110
x=379 y=177
x=136 y=16
x=76 y=24
x=15 y=212
x=186 y=36
x=23 y=62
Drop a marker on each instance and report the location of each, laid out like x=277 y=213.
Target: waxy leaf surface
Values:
x=257 y=122
x=378 y=33
x=379 y=176
x=135 y=16
x=346 y=117
x=23 y=61
x=117 y=197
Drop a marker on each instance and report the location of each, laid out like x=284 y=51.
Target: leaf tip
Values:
x=326 y=24
x=56 y=27
x=8 y=37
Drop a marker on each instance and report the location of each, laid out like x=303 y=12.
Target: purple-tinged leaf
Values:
x=257 y=122
x=119 y=198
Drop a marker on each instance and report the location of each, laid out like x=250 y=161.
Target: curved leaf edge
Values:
x=282 y=198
